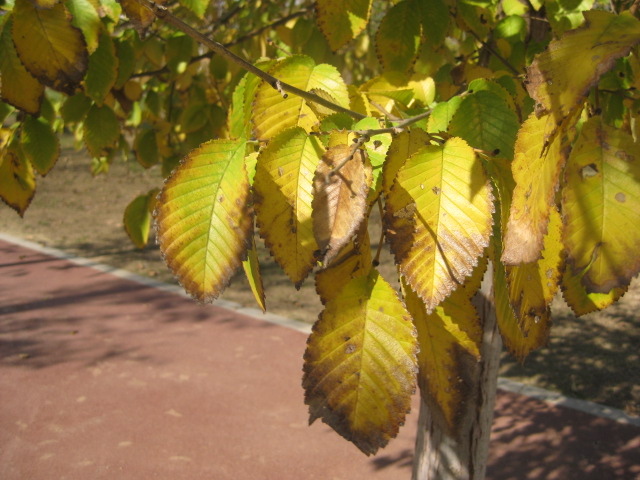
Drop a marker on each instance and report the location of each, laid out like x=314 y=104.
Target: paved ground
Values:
x=105 y=378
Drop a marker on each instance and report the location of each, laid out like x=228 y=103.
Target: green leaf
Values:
x=272 y=113
x=86 y=18
x=203 y=218
x=442 y=115
x=146 y=147
x=126 y=61
x=438 y=218
x=103 y=70
x=434 y=15
x=283 y=189
x=49 y=46
x=601 y=207
x=18 y=87
x=40 y=144
x=485 y=121
x=398 y=37
x=360 y=363
x=75 y=108
x=179 y=49
x=196 y=6
x=137 y=218
x=101 y=130
x=340 y=21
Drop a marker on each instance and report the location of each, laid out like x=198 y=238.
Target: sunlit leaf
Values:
x=103 y=70
x=449 y=340
x=18 y=87
x=442 y=114
x=536 y=169
x=360 y=363
x=486 y=122
x=580 y=301
x=251 y=267
x=376 y=148
x=49 y=46
x=101 y=129
x=17 y=181
x=402 y=147
x=601 y=207
x=438 y=218
x=561 y=76
x=137 y=218
x=341 y=184
x=40 y=144
x=398 y=37
x=340 y=21
x=283 y=195
x=273 y=113
x=196 y=6
x=85 y=17
x=203 y=217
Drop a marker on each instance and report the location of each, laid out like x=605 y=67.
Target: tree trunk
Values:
x=438 y=455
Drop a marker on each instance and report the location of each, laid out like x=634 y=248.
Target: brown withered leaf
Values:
x=339 y=204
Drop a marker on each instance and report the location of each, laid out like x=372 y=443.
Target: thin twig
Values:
x=163 y=13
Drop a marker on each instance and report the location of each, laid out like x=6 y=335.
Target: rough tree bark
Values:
x=438 y=454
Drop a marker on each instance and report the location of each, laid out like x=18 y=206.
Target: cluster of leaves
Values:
x=486 y=132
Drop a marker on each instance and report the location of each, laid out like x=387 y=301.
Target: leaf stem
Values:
x=163 y=13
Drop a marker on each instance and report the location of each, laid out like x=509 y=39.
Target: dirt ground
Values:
x=595 y=357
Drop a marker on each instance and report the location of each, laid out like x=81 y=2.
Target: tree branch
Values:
x=164 y=14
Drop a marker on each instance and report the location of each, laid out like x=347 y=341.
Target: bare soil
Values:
x=595 y=357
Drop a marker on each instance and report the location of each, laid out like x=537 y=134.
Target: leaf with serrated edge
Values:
x=448 y=340
x=40 y=144
x=103 y=70
x=601 y=207
x=342 y=20
x=17 y=181
x=536 y=169
x=339 y=198
x=272 y=113
x=561 y=76
x=283 y=188
x=353 y=261
x=438 y=218
x=101 y=129
x=18 y=87
x=49 y=46
x=402 y=147
x=532 y=286
x=203 y=217
x=398 y=37
x=360 y=363
x=137 y=218
x=580 y=301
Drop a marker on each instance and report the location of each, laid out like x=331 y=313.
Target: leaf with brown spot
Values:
x=601 y=207
x=438 y=218
x=340 y=21
x=203 y=218
x=536 y=169
x=402 y=147
x=580 y=301
x=560 y=78
x=141 y=17
x=340 y=185
x=283 y=195
x=49 y=46
x=360 y=363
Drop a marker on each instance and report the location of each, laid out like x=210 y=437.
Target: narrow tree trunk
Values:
x=438 y=455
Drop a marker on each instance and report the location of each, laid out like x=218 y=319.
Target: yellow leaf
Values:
x=251 y=268
x=272 y=113
x=360 y=363
x=582 y=302
x=402 y=147
x=449 y=340
x=17 y=181
x=17 y=87
x=353 y=261
x=203 y=217
x=561 y=76
x=341 y=185
x=340 y=21
x=601 y=207
x=536 y=169
x=49 y=46
x=141 y=17
x=438 y=218
x=532 y=286
x=283 y=195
